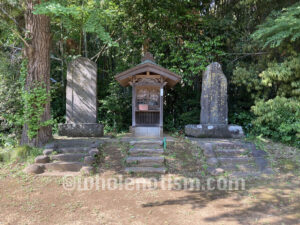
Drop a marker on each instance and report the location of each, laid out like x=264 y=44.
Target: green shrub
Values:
x=8 y=141
x=279 y=119
x=243 y=118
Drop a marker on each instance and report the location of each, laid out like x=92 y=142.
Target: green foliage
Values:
x=192 y=56
x=115 y=109
x=57 y=105
x=56 y=8
x=34 y=107
x=10 y=96
x=33 y=102
x=272 y=79
x=278 y=118
x=89 y=15
x=184 y=36
x=284 y=76
x=8 y=140
x=269 y=79
x=184 y=117
x=243 y=118
x=248 y=80
x=279 y=27
x=96 y=22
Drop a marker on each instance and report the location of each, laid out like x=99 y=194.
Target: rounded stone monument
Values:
x=214 y=108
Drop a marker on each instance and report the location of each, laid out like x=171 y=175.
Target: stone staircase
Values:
x=238 y=159
x=145 y=156
x=63 y=156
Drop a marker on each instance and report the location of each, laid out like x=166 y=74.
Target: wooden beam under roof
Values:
x=147 y=76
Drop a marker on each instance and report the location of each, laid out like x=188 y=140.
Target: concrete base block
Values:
x=151 y=132
x=214 y=131
x=80 y=130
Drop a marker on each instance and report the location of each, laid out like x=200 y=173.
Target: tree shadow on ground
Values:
x=195 y=200
x=270 y=202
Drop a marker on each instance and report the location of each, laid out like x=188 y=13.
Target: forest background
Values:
x=257 y=43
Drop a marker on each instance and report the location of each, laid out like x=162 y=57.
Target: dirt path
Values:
x=40 y=200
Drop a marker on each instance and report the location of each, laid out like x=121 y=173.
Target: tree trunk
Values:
x=38 y=69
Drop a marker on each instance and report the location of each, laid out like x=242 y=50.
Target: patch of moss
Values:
x=288 y=165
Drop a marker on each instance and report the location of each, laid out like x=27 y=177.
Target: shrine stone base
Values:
x=214 y=131
x=147 y=132
x=80 y=129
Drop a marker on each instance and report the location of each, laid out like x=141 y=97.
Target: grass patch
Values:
x=185 y=158
x=20 y=154
x=282 y=158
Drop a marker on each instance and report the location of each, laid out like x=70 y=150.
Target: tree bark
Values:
x=38 y=69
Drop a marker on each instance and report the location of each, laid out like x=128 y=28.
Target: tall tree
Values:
x=37 y=52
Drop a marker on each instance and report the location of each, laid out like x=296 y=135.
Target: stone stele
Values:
x=214 y=107
x=81 y=100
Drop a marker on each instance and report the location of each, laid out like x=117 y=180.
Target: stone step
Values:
x=244 y=174
x=64 y=166
x=146 y=151
x=69 y=157
x=151 y=161
x=146 y=143
x=231 y=152
x=226 y=145
x=242 y=167
x=59 y=173
x=160 y=170
x=75 y=143
x=73 y=150
x=235 y=160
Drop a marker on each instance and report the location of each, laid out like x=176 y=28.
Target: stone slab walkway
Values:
x=236 y=157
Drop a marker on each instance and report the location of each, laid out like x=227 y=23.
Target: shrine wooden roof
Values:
x=148 y=66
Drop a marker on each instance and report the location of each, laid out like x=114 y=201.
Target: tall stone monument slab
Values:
x=214 y=107
x=81 y=100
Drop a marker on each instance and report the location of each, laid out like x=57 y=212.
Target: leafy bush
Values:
x=8 y=141
x=243 y=118
x=246 y=81
x=279 y=119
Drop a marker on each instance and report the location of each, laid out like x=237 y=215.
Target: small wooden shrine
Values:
x=148 y=81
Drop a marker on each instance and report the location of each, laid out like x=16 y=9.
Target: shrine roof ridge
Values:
x=148 y=66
